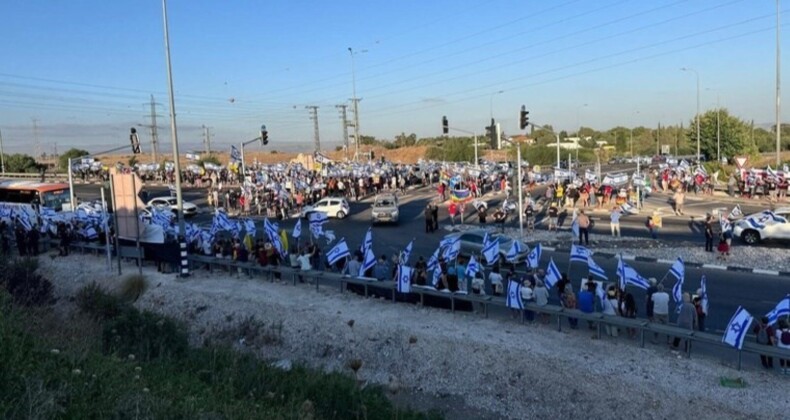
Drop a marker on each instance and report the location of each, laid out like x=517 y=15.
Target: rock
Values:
x=283 y=364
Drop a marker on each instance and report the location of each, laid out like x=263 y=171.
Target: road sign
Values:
x=741 y=161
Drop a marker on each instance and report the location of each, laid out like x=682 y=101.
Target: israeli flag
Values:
x=736 y=212
x=318 y=218
x=515 y=249
x=782 y=309
x=678 y=269
x=626 y=208
x=404 y=279
x=701 y=171
x=533 y=258
x=367 y=242
x=297 y=229
x=596 y=269
x=514 y=295
x=753 y=222
x=368 y=262
x=575 y=228
x=628 y=275
x=249 y=226
x=737 y=328
x=317 y=230
x=24 y=220
x=337 y=252
x=725 y=224
x=434 y=260
x=329 y=235
x=221 y=221
x=270 y=229
x=473 y=267
x=552 y=274
x=703 y=286
x=91 y=234
x=491 y=251
x=404 y=256
x=235 y=155
x=580 y=253
x=453 y=249
x=677 y=291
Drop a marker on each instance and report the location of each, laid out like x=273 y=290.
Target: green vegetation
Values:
x=63 y=160
x=454 y=149
x=19 y=163
x=111 y=360
x=212 y=158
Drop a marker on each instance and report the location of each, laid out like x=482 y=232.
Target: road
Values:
x=727 y=290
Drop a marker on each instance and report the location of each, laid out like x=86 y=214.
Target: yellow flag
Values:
x=284 y=239
x=248 y=242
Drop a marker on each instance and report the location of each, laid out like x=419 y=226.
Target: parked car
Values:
x=765 y=225
x=170 y=202
x=472 y=244
x=331 y=206
x=385 y=209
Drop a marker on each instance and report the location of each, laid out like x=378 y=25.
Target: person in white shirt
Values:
x=496 y=281
x=614 y=221
x=660 y=308
x=304 y=261
x=609 y=307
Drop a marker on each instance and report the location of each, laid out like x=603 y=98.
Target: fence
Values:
x=387 y=289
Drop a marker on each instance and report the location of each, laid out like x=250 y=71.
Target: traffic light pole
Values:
x=243 y=168
x=71 y=177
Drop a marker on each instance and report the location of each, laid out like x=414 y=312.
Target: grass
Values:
x=74 y=373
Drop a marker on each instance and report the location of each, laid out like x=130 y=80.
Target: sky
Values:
x=81 y=73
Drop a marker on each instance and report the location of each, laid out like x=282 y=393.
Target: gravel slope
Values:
x=494 y=365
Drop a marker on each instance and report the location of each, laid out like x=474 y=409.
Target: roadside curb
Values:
x=691 y=264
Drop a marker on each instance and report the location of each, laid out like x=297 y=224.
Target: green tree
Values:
x=63 y=160
x=212 y=158
x=402 y=140
x=133 y=161
x=735 y=134
x=453 y=149
x=19 y=163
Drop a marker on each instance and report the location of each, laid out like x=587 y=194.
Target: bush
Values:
x=95 y=301
x=26 y=286
x=133 y=287
x=145 y=335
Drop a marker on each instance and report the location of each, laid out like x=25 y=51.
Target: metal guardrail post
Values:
x=599 y=329
x=739 y=359
x=559 y=322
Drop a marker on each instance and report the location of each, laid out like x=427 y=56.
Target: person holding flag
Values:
x=404 y=278
x=533 y=258
x=737 y=328
x=687 y=318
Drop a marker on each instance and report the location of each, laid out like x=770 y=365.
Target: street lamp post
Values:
x=778 y=91
x=579 y=132
x=354 y=99
x=174 y=138
x=520 y=193
x=698 y=133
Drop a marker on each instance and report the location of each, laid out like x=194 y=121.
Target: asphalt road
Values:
x=727 y=290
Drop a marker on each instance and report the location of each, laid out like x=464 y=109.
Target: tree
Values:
x=19 y=163
x=63 y=160
x=453 y=149
x=213 y=159
x=734 y=134
x=402 y=140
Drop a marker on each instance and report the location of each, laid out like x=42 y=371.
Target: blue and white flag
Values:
x=552 y=274
x=580 y=253
x=736 y=212
x=434 y=260
x=737 y=328
x=677 y=292
x=271 y=229
x=453 y=249
x=297 y=229
x=725 y=224
x=533 y=258
x=703 y=287
x=249 y=227
x=338 y=252
x=404 y=279
x=515 y=249
x=596 y=269
x=368 y=262
x=514 y=295
x=678 y=270
x=367 y=243
x=318 y=218
x=90 y=233
x=221 y=222
x=406 y=253
x=437 y=276
x=782 y=309
x=491 y=251
x=235 y=155
x=473 y=267
x=575 y=228
x=628 y=275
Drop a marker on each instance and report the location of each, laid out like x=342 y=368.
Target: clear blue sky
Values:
x=84 y=69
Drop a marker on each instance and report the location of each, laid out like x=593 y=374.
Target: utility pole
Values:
x=344 y=118
x=314 y=117
x=355 y=106
x=207 y=139
x=658 y=140
x=154 y=134
x=778 y=91
x=2 y=155
x=36 y=145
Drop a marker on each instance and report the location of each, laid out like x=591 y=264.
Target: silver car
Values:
x=385 y=209
x=472 y=244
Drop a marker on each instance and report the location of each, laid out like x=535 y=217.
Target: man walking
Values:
x=709 y=233
x=614 y=221
x=679 y=198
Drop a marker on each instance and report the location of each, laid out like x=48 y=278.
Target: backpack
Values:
x=762 y=335
x=786 y=337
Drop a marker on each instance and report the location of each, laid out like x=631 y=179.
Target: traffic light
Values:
x=135 y=141
x=264 y=136
x=491 y=133
x=524 y=118
x=445 y=125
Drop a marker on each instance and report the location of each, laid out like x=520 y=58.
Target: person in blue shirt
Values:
x=460 y=273
x=586 y=300
x=382 y=269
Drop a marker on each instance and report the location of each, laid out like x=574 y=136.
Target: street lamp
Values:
x=697 y=76
x=579 y=131
x=520 y=192
x=491 y=103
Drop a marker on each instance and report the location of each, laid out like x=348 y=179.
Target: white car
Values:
x=764 y=225
x=171 y=203
x=385 y=209
x=331 y=206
